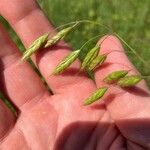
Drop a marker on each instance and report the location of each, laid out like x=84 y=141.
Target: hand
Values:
x=60 y=121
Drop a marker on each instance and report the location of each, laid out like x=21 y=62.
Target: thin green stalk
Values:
x=111 y=31
x=133 y=50
x=8 y=104
x=93 y=38
x=92 y=22
x=66 y=24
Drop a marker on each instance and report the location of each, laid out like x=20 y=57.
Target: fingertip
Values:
x=109 y=43
x=112 y=47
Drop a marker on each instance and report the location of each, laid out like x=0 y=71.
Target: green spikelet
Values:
x=59 y=36
x=66 y=62
x=98 y=61
x=129 y=81
x=90 y=56
x=36 y=45
x=99 y=93
x=115 y=76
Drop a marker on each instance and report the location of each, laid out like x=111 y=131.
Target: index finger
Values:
x=29 y=22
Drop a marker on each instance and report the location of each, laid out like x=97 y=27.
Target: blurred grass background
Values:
x=130 y=19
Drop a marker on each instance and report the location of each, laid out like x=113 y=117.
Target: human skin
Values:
x=121 y=121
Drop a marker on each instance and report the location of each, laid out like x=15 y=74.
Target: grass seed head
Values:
x=90 y=56
x=129 y=81
x=98 y=61
x=59 y=36
x=36 y=45
x=66 y=62
x=99 y=93
x=115 y=76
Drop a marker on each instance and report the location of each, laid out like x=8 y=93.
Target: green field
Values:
x=130 y=19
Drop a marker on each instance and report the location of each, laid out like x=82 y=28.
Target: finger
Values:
x=7 y=120
x=29 y=22
x=125 y=105
x=116 y=58
x=17 y=80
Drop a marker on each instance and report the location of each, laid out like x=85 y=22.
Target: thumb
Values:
x=129 y=108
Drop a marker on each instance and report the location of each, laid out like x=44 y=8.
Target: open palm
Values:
x=60 y=121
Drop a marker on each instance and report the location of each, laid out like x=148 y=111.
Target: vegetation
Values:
x=130 y=19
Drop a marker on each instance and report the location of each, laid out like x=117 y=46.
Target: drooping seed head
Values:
x=36 y=45
x=115 y=76
x=59 y=36
x=66 y=62
x=129 y=81
x=90 y=56
x=99 y=93
x=98 y=61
